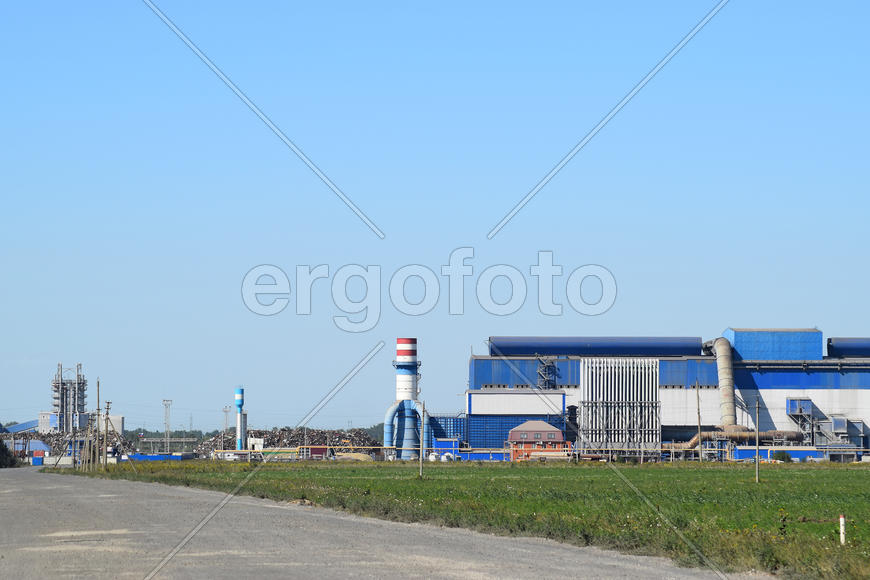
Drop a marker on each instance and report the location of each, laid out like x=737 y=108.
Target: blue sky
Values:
x=138 y=189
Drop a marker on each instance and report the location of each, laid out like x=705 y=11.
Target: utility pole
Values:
x=757 y=454
x=700 y=441
x=167 y=403
x=106 y=447
x=422 y=439
x=226 y=426
x=99 y=454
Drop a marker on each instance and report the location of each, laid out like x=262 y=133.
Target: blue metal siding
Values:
x=490 y=456
x=682 y=372
x=797 y=378
x=513 y=372
x=796 y=454
x=444 y=445
x=490 y=371
x=672 y=372
x=687 y=372
x=448 y=426
x=491 y=431
x=775 y=344
x=594 y=345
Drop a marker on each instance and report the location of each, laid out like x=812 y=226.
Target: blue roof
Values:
x=26 y=426
x=594 y=345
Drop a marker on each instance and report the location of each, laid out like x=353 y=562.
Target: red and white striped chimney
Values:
x=406 y=369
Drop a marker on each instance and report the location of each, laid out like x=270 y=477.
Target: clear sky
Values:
x=138 y=190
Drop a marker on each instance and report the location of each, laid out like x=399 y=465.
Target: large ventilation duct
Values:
x=725 y=369
x=734 y=437
x=400 y=429
x=389 y=418
x=849 y=347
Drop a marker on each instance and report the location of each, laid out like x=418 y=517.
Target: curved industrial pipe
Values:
x=725 y=370
x=734 y=437
x=389 y=440
x=424 y=421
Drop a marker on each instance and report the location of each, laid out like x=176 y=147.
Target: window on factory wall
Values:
x=524 y=435
x=551 y=435
x=537 y=435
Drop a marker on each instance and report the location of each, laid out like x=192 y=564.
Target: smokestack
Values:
x=400 y=422
x=241 y=420
x=406 y=369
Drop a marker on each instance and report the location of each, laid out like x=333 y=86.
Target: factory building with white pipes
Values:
x=653 y=397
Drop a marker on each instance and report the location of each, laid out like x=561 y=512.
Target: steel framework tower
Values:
x=68 y=396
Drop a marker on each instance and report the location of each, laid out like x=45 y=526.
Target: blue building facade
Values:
x=665 y=383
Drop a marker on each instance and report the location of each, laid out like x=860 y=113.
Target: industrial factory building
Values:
x=658 y=397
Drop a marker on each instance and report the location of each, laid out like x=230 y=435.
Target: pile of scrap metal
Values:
x=60 y=442
x=339 y=440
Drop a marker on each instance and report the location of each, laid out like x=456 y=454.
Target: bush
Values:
x=781 y=456
x=6 y=457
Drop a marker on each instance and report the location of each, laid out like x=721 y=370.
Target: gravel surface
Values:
x=54 y=526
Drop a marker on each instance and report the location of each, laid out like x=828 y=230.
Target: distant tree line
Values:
x=6 y=457
x=199 y=435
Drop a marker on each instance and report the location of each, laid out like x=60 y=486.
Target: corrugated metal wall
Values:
x=759 y=377
x=686 y=372
x=772 y=344
x=448 y=426
x=489 y=371
x=619 y=408
x=491 y=431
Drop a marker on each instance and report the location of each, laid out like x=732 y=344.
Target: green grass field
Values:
x=787 y=524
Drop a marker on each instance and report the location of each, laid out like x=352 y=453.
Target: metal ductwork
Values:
x=389 y=439
x=734 y=437
x=725 y=369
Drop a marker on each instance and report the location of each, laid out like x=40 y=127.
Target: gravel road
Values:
x=55 y=526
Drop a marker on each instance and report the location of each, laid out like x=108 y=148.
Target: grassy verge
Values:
x=787 y=524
